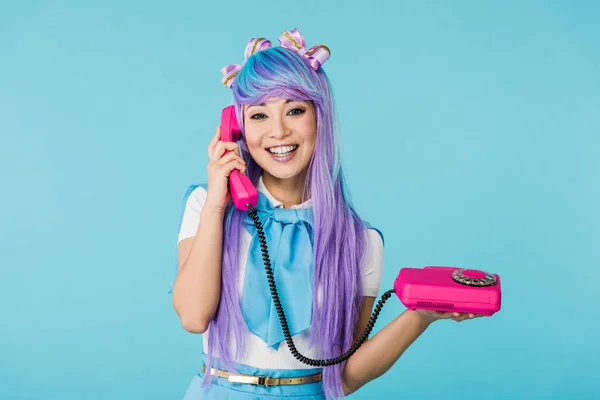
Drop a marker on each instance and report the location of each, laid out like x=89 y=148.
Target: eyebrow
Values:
x=263 y=104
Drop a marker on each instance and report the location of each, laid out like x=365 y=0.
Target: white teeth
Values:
x=283 y=149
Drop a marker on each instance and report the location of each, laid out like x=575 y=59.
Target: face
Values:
x=281 y=136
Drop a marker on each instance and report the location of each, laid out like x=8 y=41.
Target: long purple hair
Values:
x=339 y=233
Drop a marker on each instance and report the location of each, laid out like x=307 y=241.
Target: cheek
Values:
x=253 y=142
x=309 y=133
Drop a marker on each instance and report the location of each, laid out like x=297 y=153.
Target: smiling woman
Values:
x=327 y=262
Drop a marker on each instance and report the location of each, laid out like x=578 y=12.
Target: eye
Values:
x=258 y=116
x=296 y=111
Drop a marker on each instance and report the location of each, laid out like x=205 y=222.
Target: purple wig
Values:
x=339 y=233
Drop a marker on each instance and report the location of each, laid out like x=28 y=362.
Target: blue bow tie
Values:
x=288 y=233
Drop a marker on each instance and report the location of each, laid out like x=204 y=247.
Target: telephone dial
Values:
x=439 y=288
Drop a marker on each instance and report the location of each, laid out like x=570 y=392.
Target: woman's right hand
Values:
x=219 y=167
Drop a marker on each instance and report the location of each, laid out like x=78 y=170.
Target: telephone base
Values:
x=449 y=289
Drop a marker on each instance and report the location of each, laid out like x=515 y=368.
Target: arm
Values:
x=197 y=288
x=378 y=354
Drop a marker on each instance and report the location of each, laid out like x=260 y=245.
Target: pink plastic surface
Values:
x=241 y=189
x=432 y=288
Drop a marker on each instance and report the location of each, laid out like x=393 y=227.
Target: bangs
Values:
x=275 y=72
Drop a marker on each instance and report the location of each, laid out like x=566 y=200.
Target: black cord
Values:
x=280 y=312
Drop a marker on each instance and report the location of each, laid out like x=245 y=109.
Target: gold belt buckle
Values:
x=249 y=379
x=264 y=380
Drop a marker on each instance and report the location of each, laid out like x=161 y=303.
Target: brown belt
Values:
x=265 y=381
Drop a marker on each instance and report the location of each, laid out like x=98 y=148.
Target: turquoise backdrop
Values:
x=470 y=138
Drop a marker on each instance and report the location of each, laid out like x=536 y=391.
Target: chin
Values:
x=283 y=173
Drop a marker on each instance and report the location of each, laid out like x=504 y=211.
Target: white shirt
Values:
x=257 y=353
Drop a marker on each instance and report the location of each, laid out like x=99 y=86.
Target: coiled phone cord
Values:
x=280 y=312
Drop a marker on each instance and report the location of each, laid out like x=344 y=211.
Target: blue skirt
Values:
x=222 y=389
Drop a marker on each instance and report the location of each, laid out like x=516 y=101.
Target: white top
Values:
x=258 y=354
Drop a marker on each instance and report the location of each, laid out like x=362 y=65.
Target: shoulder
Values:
x=375 y=243
x=375 y=239
x=372 y=230
x=193 y=200
x=197 y=191
x=195 y=196
x=374 y=248
x=372 y=265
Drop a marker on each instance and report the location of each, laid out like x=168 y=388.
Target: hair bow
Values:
x=316 y=55
x=230 y=71
x=291 y=40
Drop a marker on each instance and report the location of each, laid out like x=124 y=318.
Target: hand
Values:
x=219 y=167
x=430 y=315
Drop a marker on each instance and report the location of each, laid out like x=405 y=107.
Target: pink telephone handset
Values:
x=449 y=289
x=241 y=189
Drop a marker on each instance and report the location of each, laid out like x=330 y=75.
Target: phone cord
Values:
x=280 y=312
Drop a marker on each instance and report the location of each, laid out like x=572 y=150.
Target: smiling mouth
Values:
x=282 y=151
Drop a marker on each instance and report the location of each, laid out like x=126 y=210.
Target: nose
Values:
x=280 y=130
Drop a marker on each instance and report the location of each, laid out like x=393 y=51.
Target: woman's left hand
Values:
x=431 y=316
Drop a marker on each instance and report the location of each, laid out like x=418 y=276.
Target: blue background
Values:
x=470 y=137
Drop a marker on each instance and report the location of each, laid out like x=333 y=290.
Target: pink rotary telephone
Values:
x=449 y=289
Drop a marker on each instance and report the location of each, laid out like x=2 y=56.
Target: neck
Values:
x=287 y=191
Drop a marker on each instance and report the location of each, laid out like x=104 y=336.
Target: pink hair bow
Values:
x=316 y=55
x=254 y=45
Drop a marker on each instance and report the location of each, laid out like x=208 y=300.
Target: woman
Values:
x=326 y=260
